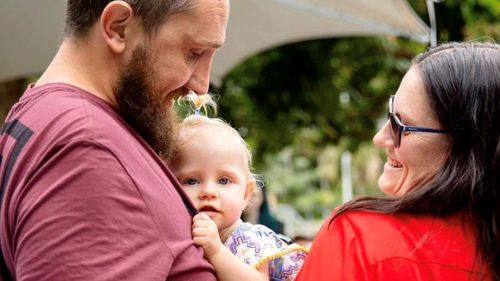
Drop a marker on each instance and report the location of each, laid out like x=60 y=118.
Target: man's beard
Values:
x=142 y=105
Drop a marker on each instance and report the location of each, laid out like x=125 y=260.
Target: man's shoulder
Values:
x=63 y=110
x=59 y=100
x=61 y=116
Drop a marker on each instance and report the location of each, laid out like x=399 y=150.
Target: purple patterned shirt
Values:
x=256 y=245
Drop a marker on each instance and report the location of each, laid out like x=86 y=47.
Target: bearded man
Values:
x=85 y=195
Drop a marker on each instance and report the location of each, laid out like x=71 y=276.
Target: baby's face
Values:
x=212 y=168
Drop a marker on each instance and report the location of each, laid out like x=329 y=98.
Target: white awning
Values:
x=30 y=31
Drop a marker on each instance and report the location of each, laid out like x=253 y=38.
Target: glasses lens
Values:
x=395 y=130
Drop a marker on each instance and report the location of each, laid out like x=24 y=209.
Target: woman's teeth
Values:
x=394 y=164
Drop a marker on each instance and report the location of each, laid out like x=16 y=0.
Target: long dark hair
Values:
x=462 y=82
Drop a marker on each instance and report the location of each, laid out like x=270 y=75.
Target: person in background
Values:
x=441 y=220
x=85 y=194
x=258 y=210
x=213 y=165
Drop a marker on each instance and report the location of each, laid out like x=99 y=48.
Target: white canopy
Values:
x=30 y=31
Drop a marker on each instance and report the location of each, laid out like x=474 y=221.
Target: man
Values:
x=84 y=194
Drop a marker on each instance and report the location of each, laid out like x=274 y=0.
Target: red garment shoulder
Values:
x=387 y=238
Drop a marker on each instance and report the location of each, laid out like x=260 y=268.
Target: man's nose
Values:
x=200 y=79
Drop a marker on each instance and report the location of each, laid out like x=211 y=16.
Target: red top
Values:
x=360 y=245
x=85 y=198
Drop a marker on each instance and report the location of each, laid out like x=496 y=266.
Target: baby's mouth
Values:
x=208 y=209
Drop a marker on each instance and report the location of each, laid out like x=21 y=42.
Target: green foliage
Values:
x=321 y=84
x=299 y=106
x=459 y=20
x=295 y=180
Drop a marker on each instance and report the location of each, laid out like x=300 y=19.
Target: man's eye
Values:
x=191 y=181
x=224 y=181
x=195 y=54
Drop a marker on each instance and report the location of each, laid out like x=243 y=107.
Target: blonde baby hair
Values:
x=202 y=105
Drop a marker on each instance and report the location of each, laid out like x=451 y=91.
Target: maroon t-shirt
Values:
x=85 y=198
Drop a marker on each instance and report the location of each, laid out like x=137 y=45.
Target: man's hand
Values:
x=206 y=235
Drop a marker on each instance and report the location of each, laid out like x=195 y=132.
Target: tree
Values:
x=300 y=99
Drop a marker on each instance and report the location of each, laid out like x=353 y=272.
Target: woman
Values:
x=441 y=220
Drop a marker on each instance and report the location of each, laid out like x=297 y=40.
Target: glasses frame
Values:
x=397 y=127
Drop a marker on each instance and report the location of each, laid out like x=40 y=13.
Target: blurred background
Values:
x=309 y=108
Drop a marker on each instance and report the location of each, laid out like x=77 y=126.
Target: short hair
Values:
x=81 y=15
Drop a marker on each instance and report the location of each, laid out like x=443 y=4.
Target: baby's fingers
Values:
x=201 y=217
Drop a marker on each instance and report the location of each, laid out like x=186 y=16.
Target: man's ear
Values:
x=115 y=19
x=249 y=189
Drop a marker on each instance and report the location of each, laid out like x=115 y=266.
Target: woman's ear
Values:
x=115 y=19
x=249 y=189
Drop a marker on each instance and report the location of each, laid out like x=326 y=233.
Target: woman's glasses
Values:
x=397 y=127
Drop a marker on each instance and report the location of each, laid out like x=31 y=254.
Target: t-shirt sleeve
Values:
x=337 y=254
x=81 y=217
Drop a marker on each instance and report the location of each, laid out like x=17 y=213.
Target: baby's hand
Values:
x=206 y=234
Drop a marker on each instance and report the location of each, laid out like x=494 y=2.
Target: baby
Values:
x=213 y=164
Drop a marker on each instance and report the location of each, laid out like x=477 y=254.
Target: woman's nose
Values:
x=383 y=137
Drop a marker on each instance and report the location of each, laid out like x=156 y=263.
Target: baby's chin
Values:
x=211 y=214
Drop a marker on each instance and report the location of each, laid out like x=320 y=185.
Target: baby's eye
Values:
x=224 y=181
x=191 y=181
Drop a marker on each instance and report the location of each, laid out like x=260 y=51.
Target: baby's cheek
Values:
x=193 y=195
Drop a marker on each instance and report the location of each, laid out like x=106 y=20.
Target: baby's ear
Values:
x=249 y=189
